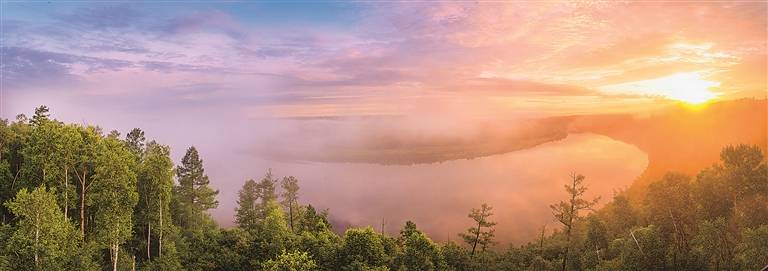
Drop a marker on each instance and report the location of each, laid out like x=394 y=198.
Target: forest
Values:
x=77 y=198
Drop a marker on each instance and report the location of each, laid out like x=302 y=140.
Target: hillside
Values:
x=682 y=139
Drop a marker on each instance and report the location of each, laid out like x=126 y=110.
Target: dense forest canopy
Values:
x=77 y=198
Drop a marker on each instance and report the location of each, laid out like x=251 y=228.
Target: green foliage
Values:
x=193 y=196
x=752 y=250
x=322 y=244
x=643 y=250
x=134 y=140
x=234 y=245
x=621 y=216
x=153 y=215
x=43 y=239
x=7 y=189
x=567 y=212
x=200 y=250
x=456 y=257
x=246 y=215
x=114 y=196
x=670 y=206
x=131 y=214
x=746 y=170
x=363 y=249
x=483 y=233
x=290 y=261
x=420 y=253
x=596 y=242
x=290 y=198
x=715 y=243
x=272 y=235
x=313 y=221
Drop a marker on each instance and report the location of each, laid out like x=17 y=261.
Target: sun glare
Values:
x=687 y=87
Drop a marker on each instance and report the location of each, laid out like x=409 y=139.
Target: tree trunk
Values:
x=571 y=214
x=477 y=238
x=66 y=191
x=37 y=238
x=567 y=247
x=149 y=240
x=82 y=202
x=82 y=207
x=160 y=240
x=116 y=248
x=290 y=215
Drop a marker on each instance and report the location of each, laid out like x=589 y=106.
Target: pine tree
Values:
x=567 y=212
x=194 y=195
x=290 y=197
x=483 y=233
x=246 y=215
x=135 y=141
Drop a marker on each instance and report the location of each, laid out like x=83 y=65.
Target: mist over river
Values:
x=519 y=185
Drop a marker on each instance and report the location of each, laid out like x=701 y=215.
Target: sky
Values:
x=241 y=79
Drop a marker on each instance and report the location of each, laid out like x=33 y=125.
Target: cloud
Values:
x=101 y=16
x=22 y=66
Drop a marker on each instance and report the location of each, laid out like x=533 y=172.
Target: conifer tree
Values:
x=194 y=194
x=567 y=212
x=290 y=197
x=483 y=233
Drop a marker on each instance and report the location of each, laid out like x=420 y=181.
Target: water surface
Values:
x=519 y=185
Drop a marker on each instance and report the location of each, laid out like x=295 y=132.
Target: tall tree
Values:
x=13 y=139
x=313 y=221
x=40 y=153
x=135 y=141
x=50 y=155
x=41 y=116
x=290 y=197
x=746 y=169
x=272 y=233
x=194 y=194
x=363 y=249
x=669 y=205
x=596 y=240
x=483 y=233
x=42 y=235
x=246 y=215
x=266 y=188
x=620 y=216
x=114 y=195
x=70 y=140
x=566 y=212
x=418 y=251
x=84 y=169
x=155 y=182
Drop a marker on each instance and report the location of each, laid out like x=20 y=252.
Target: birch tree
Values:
x=114 y=196
x=155 y=181
x=42 y=236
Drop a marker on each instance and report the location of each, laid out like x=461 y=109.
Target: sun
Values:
x=688 y=87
